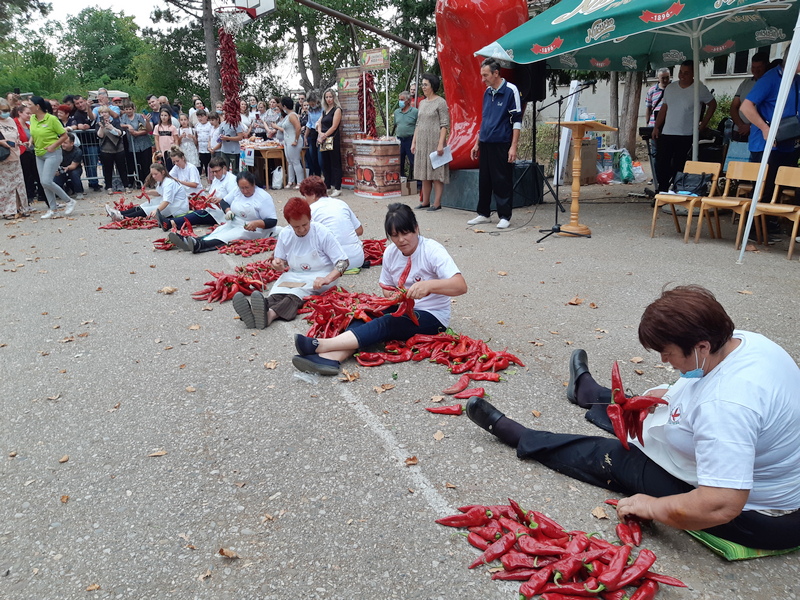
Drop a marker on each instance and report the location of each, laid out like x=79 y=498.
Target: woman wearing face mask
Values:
x=723 y=456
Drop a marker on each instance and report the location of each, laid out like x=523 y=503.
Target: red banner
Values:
x=552 y=46
x=726 y=47
x=600 y=64
x=672 y=11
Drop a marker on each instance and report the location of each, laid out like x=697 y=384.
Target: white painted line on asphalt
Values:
x=420 y=483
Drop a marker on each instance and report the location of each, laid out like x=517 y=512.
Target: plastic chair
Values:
x=696 y=168
x=786 y=177
x=739 y=172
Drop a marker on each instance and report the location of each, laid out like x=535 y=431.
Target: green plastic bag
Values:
x=626 y=167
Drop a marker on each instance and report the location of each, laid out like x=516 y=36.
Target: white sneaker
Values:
x=47 y=215
x=336 y=193
x=69 y=207
x=479 y=219
x=503 y=224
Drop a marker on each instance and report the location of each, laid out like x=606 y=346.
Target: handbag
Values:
x=327 y=145
x=692 y=184
x=789 y=127
x=4 y=152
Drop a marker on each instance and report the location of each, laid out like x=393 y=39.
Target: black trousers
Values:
x=30 y=174
x=406 y=154
x=109 y=160
x=673 y=152
x=199 y=217
x=776 y=159
x=332 y=164
x=496 y=176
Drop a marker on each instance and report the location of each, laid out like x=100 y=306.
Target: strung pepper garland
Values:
x=627 y=415
x=230 y=77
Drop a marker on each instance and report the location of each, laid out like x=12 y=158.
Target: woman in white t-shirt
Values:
x=722 y=455
x=311 y=260
x=184 y=172
x=249 y=216
x=422 y=267
x=337 y=216
x=171 y=198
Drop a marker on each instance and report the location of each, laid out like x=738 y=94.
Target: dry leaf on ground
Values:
x=437 y=398
x=64 y=499
x=228 y=553
x=438 y=436
x=410 y=462
x=93 y=588
x=168 y=290
x=64 y=459
x=536 y=413
x=348 y=376
x=449 y=485
x=502 y=273
x=598 y=512
x=379 y=389
x=746 y=292
x=638 y=371
x=190 y=389
x=592 y=305
x=270 y=364
x=158 y=453
x=637 y=359
x=194 y=327
x=576 y=301
x=205 y=575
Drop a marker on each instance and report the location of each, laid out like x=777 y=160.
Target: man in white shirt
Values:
x=674 y=125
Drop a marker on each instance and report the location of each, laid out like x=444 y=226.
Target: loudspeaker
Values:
x=528 y=184
x=531 y=81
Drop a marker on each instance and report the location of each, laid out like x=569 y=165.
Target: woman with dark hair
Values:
x=337 y=216
x=329 y=141
x=432 y=279
x=723 y=456
x=311 y=260
x=250 y=215
x=430 y=135
x=173 y=198
x=292 y=146
x=48 y=134
x=184 y=172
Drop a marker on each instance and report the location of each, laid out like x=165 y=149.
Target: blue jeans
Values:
x=387 y=327
x=71 y=178
x=405 y=153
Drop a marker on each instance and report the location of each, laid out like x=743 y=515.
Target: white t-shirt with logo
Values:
x=738 y=427
x=429 y=261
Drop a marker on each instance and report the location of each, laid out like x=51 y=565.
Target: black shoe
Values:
x=482 y=413
x=161 y=221
x=578 y=365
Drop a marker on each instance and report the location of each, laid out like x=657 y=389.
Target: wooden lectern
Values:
x=579 y=129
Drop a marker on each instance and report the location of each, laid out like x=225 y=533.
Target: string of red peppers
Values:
x=369 y=126
x=553 y=562
x=627 y=415
x=230 y=77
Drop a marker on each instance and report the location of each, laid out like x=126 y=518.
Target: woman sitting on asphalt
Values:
x=311 y=259
x=336 y=215
x=434 y=278
x=251 y=215
x=222 y=189
x=170 y=201
x=723 y=456
x=184 y=172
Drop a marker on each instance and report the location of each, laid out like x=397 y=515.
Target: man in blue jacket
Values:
x=497 y=144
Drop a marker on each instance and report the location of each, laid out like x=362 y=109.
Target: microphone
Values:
x=590 y=82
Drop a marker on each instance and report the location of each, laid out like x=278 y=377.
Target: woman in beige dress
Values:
x=430 y=136
x=13 y=198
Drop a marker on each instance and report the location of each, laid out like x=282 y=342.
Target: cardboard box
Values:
x=588 y=163
x=408 y=188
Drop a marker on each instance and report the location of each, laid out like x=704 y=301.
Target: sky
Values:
x=140 y=9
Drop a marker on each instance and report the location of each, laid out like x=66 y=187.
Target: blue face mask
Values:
x=402 y=103
x=5 y=115
x=696 y=373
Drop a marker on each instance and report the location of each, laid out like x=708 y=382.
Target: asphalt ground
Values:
x=307 y=482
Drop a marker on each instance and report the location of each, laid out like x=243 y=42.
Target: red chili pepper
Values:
x=578 y=543
x=617 y=392
x=459 y=386
x=491 y=532
x=477 y=541
x=515 y=575
x=484 y=376
x=513 y=560
x=522 y=516
x=612 y=501
x=401 y=283
x=547 y=526
x=566 y=568
x=510 y=524
x=473 y=517
x=646 y=591
x=624 y=534
x=496 y=550
x=479 y=392
x=636 y=530
x=615 y=595
x=455 y=409
x=643 y=402
x=619 y=560
x=537 y=581
x=370 y=359
x=615 y=416
x=590 y=587
x=665 y=579
x=535 y=547
x=640 y=566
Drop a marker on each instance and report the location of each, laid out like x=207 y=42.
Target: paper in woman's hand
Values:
x=438 y=161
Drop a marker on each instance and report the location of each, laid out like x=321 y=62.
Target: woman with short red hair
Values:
x=311 y=260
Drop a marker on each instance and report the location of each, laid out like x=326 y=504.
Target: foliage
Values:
x=14 y=13
x=35 y=70
x=723 y=110
x=108 y=44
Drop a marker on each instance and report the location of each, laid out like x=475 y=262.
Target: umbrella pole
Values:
x=696 y=127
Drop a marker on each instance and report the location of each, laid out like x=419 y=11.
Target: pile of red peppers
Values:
x=131 y=223
x=224 y=287
x=627 y=415
x=260 y=270
x=248 y=248
x=201 y=201
x=373 y=251
x=552 y=562
x=121 y=205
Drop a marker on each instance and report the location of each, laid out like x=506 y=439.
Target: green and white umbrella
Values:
x=632 y=35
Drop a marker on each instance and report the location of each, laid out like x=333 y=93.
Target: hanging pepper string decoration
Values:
x=230 y=77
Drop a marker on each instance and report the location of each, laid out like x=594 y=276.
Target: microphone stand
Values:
x=556 y=228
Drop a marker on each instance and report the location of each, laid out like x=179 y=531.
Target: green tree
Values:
x=14 y=13
x=101 y=44
x=36 y=70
